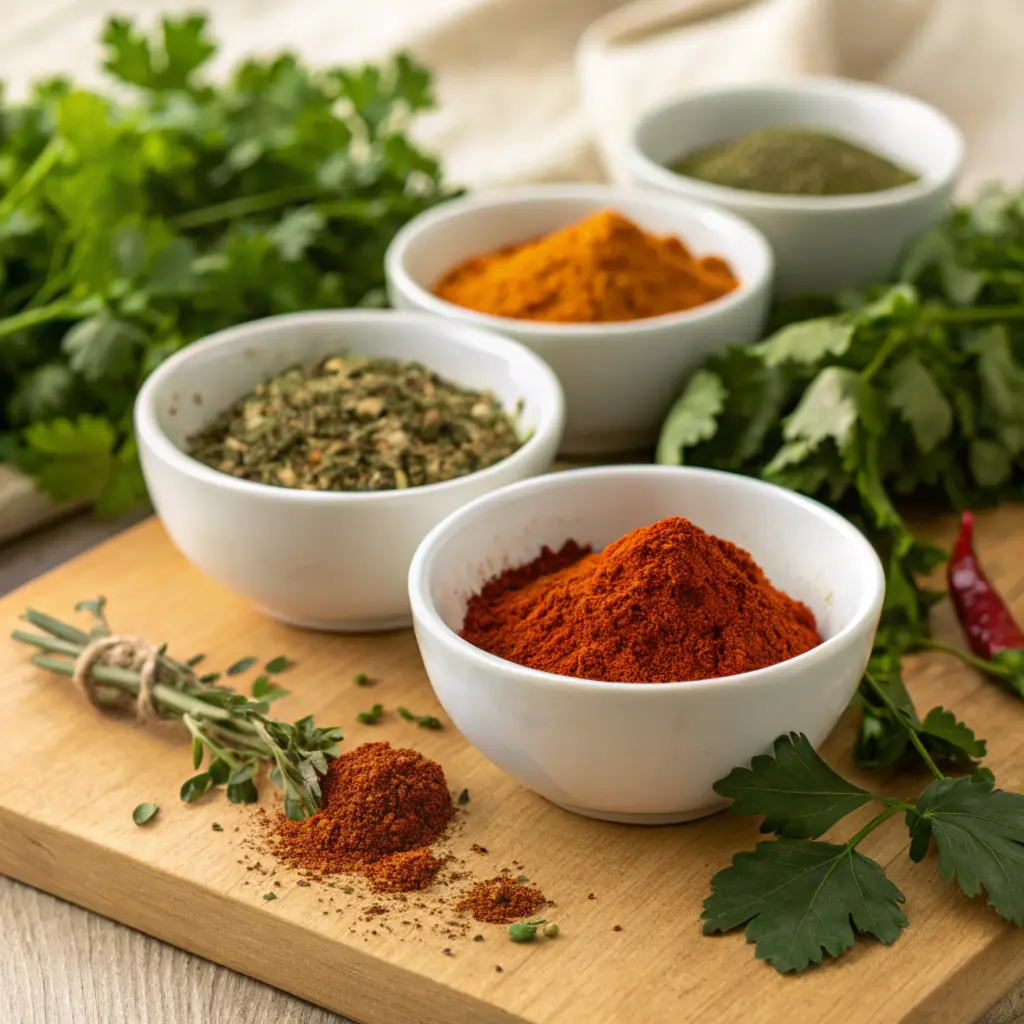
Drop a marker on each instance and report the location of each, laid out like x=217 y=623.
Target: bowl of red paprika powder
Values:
x=617 y=639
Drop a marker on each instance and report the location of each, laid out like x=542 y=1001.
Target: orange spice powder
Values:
x=605 y=269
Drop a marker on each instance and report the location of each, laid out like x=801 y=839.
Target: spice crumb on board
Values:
x=477 y=848
x=566 y=612
x=617 y=928
x=501 y=900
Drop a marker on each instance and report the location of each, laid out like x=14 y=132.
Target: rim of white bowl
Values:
x=425 y=613
x=550 y=420
x=608 y=195
x=841 y=88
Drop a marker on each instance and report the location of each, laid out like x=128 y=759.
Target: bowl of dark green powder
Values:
x=299 y=460
x=839 y=175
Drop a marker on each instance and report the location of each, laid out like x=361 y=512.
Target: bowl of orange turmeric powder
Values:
x=623 y=293
x=618 y=638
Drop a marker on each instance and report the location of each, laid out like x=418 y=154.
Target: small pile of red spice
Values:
x=404 y=872
x=501 y=900
x=665 y=603
x=381 y=810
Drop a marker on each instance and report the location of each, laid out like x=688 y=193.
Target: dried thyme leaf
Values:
x=371 y=717
x=353 y=423
x=407 y=714
x=279 y=664
x=144 y=813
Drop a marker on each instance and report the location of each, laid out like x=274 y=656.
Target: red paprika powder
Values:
x=501 y=900
x=382 y=808
x=665 y=603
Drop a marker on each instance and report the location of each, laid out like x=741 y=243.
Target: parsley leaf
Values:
x=799 y=795
x=807 y=341
x=915 y=395
x=801 y=900
x=979 y=833
x=693 y=418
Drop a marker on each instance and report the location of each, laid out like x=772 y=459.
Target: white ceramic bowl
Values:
x=821 y=243
x=642 y=753
x=336 y=561
x=619 y=379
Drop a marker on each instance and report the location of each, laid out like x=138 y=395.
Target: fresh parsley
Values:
x=131 y=226
x=909 y=391
x=802 y=899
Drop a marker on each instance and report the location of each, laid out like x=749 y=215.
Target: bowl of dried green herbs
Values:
x=839 y=175
x=299 y=460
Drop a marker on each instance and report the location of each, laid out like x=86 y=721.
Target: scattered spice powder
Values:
x=665 y=603
x=501 y=900
x=404 y=872
x=605 y=269
x=382 y=808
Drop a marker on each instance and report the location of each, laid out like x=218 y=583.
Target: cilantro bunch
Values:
x=131 y=226
x=908 y=393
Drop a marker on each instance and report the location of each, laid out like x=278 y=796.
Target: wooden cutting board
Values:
x=69 y=779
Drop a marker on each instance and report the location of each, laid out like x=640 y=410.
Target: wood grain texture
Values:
x=180 y=881
x=70 y=965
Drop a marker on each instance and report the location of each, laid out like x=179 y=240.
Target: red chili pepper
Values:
x=987 y=621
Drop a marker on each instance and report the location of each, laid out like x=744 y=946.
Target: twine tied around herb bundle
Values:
x=128 y=652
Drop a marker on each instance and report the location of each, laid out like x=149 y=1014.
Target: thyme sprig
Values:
x=231 y=731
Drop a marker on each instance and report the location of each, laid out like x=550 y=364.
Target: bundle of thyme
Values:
x=233 y=730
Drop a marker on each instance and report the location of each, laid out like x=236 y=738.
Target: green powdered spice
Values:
x=352 y=423
x=793 y=161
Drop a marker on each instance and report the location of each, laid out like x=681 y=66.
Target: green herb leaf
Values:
x=371 y=717
x=279 y=664
x=266 y=690
x=240 y=666
x=270 y=896
x=914 y=394
x=979 y=833
x=219 y=771
x=429 y=722
x=463 y=798
x=144 y=813
x=693 y=417
x=362 y=679
x=801 y=900
x=807 y=342
x=799 y=795
x=406 y=714
x=943 y=726
x=195 y=787
x=828 y=409
x=217 y=828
